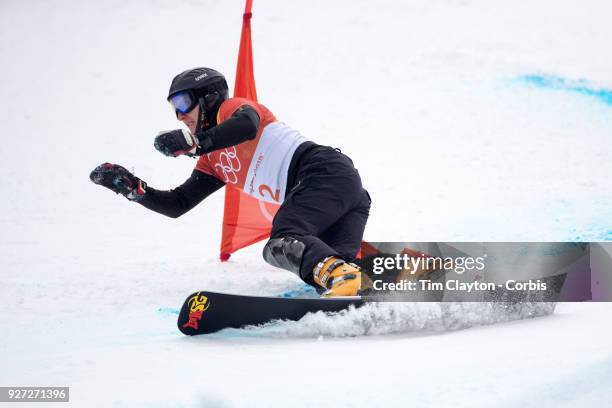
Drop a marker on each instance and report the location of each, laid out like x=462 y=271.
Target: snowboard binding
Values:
x=340 y=278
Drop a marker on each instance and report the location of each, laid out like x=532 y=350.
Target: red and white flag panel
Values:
x=246 y=220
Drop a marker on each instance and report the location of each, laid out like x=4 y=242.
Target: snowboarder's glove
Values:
x=118 y=179
x=177 y=142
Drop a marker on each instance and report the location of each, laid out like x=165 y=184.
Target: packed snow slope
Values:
x=469 y=120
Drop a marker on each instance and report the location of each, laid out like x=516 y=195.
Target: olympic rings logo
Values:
x=229 y=165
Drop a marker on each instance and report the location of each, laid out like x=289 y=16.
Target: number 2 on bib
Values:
x=267 y=189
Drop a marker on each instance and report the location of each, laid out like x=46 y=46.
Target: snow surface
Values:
x=434 y=102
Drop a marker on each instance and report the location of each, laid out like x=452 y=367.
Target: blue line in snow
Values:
x=168 y=311
x=602 y=236
x=580 y=86
x=302 y=290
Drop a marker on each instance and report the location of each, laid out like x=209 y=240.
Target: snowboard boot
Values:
x=340 y=278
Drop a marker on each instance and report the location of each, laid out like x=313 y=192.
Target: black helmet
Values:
x=203 y=86
x=206 y=80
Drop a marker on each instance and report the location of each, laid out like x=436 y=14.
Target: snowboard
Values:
x=207 y=312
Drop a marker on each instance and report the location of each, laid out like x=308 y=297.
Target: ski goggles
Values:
x=183 y=102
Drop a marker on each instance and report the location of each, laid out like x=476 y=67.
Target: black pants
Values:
x=327 y=210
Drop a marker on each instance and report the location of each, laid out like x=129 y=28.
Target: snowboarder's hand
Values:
x=119 y=180
x=176 y=142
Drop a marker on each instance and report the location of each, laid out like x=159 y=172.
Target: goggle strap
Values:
x=201 y=117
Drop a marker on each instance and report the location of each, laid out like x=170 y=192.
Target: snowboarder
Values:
x=317 y=231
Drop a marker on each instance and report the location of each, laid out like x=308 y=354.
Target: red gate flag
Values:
x=244 y=86
x=246 y=220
